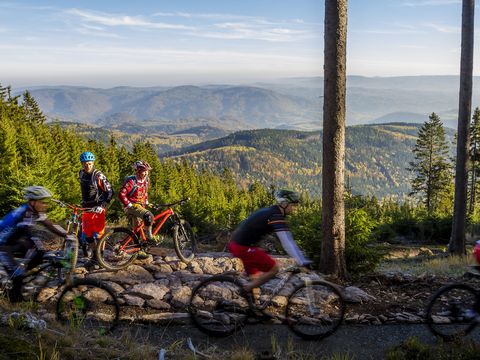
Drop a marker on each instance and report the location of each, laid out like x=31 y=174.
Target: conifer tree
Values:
x=474 y=157
x=431 y=167
x=33 y=114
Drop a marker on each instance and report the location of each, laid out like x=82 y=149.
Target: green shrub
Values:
x=358 y=233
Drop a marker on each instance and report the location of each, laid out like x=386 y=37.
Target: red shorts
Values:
x=254 y=258
x=93 y=223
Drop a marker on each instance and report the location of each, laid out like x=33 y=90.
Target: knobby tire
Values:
x=218 y=307
x=184 y=241
x=110 y=256
x=315 y=311
x=453 y=311
x=90 y=305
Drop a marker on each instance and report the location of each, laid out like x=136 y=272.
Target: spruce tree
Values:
x=431 y=167
x=474 y=157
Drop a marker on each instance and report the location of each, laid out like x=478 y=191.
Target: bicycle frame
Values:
x=161 y=218
x=283 y=280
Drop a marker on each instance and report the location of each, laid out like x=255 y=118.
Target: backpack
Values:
x=95 y=173
x=135 y=186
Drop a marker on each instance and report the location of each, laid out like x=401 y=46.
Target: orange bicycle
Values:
x=120 y=246
x=74 y=227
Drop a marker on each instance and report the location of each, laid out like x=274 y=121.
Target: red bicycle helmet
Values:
x=141 y=165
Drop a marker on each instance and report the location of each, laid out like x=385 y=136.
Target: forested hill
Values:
x=376 y=157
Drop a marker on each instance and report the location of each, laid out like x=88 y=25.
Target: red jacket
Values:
x=134 y=191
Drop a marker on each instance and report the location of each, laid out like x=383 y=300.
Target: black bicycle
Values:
x=314 y=309
x=453 y=311
x=86 y=304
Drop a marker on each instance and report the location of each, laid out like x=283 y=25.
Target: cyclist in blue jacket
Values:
x=25 y=229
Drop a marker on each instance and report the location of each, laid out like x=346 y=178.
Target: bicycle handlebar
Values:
x=73 y=207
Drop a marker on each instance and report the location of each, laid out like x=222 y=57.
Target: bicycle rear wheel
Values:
x=453 y=311
x=184 y=240
x=217 y=306
x=315 y=311
x=90 y=305
x=117 y=249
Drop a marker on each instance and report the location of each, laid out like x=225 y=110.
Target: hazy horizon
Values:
x=108 y=44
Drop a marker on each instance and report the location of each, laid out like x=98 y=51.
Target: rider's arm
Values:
x=106 y=188
x=123 y=193
x=291 y=247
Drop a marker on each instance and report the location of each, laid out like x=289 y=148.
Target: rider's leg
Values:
x=148 y=221
x=261 y=278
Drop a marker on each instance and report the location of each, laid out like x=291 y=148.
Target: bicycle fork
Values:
x=310 y=296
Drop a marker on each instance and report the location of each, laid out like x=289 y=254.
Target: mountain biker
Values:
x=260 y=266
x=26 y=235
x=134 y=196
x=96 y=194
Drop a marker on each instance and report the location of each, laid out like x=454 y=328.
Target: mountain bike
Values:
x=314 y=308
x=453 y=311
x=119 y=247
x=87 y=304
x=74 y=224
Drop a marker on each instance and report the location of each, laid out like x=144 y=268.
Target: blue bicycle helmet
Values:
x=87 y=156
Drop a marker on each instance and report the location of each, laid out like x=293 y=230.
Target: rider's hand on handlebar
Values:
x=98 y=209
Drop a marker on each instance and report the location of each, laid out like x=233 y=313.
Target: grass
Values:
x=439 y=265
x=412 y=348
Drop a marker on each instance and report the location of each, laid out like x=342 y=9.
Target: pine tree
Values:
x=33 y=114
x=431 y=167
x=474 y=157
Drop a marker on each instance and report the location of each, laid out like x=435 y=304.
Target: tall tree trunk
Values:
x=333 y=216
x=457 y=239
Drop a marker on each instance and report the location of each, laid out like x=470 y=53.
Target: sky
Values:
x=107 y=43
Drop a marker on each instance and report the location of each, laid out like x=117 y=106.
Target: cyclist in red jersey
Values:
x=260 y=266
x=134 y=196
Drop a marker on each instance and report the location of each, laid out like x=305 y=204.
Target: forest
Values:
x=35 y=152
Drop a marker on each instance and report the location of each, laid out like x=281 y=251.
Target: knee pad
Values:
x=148 y=218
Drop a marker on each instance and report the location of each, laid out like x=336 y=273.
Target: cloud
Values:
x=122 y=20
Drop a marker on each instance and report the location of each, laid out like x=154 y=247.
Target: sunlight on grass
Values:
x=452 y=266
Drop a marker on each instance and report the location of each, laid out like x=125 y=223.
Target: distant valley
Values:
x=267 y=132
x=376 y=155
x=285 y=104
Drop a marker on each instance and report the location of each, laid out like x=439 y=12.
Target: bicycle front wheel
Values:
x=217 y=306
x=453 y=311
x=117 y=249
x=184 y=240
x=315 y=311
x=90 y=305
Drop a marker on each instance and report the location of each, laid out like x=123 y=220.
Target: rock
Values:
x=423 y=251
x=148 y=291
x=356 y=295
x=165 y=316
x=158 y=304
x=181 y=297
x=134 y=274
x=23 y=320
x=133 y=300
x=46 y=294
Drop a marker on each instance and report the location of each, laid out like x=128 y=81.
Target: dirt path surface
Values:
x=358 y=341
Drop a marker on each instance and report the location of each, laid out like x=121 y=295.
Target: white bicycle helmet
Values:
x=36 y=193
